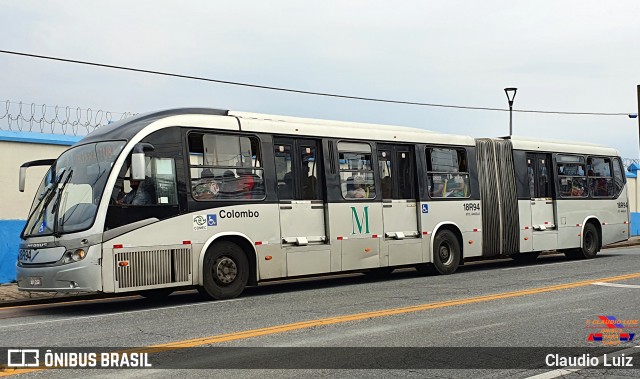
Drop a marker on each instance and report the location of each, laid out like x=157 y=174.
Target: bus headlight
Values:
x=78 y=255
x=74 y=256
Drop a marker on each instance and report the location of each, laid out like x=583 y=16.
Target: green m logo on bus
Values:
x=355 y=221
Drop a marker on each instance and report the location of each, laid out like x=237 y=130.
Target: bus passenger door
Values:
x=401 y=243
x=301 y=206
x=543 y=219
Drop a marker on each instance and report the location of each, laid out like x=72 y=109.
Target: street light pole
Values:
x=638 y=114
x=511 y=94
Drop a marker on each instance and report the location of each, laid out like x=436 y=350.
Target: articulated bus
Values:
x=220 y=200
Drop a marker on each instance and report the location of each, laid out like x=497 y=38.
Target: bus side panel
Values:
x=572 y=215
x=357 y=227
x=458 y=212
x=526 y=231
x=258 y=221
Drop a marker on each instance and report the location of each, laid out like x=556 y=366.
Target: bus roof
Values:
x=532 y=144
x=343 y=129
x=288 y=125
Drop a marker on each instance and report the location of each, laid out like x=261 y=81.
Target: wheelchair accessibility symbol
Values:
x=425 y=208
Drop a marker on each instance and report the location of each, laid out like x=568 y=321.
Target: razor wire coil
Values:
x=41 y=118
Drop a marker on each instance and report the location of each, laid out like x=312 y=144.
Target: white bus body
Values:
x=236 y=198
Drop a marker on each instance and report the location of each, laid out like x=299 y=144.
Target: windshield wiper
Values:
x=47 y=200
x=56 y=205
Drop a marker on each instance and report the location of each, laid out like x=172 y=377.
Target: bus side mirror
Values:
x=23 y=176
x=138 y=169
x=23 y=170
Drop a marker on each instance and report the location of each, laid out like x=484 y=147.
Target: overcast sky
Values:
x=579 y=56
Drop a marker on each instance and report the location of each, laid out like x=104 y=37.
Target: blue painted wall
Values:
x=635 y=224
x=9 y=241
x=10 y=229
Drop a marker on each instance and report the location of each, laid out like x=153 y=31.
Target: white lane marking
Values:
x=477 y=328
x=545 y=265
x=569 y=370
x=121 y=313
x=616 y=285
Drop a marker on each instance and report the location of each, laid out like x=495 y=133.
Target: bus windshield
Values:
x=68 y=196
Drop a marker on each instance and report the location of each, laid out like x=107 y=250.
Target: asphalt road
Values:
x=485 y=304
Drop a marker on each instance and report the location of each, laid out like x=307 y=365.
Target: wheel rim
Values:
x=225 y=270
x=444 y=253
x=589 y=242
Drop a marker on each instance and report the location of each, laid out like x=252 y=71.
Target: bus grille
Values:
x=153 y=267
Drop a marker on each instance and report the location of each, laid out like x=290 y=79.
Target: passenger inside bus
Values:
x=138 y=195
x=356 y=188
x=229 y=188
x=207 y=187
x=455 y=187
x=438 y=186
x=247 y=181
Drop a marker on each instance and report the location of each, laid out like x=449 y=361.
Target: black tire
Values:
x=590 y=244
x=446 y=252
x=528 y=257
x=225 y=271
x=158 y=294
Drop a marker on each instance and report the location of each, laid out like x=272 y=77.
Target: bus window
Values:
x=531 y=169
x=309 y=173
x=447 y=173
x=284 y=173
x=405 y=175
x=158 y=187
x=572 y=176
x=225 y=167
x=396 y=170
x=356 y=171
x=618 y=177
x=386 y=173
x=600 y=178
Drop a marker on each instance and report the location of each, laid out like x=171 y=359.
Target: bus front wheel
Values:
x=225 y=271
x=446 y=252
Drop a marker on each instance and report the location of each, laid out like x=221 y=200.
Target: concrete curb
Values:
x=61 y=298
x=57 y=299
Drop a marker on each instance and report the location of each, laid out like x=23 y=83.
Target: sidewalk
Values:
x=10 y=296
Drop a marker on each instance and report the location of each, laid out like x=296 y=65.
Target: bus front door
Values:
x=301 y=206
x=543 y=218
x=401 y=241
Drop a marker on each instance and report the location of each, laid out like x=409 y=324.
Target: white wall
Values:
x=15 y=205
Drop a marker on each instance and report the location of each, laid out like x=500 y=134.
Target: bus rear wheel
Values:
x=590 y=244
x=446 y=252
x=225 y=271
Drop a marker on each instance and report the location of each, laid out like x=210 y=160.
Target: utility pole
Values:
x=638 y=116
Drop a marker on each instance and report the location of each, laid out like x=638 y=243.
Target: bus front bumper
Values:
x=83 y=276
